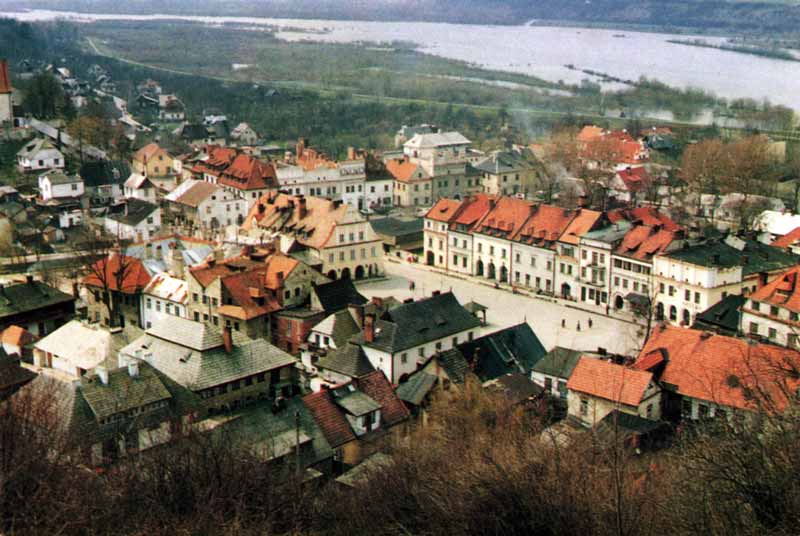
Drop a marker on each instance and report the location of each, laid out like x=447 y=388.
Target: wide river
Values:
x=542 y=51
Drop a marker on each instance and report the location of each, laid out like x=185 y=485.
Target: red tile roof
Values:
x=207 y=272
x=248 y=173
x=118 y=273
x=783 y=291
x=5 y=78
x=644 y=216
x=310 y=159
x=617 y=149
x=634 y=178
x=404 y=171
x=726 y=370
x=589 y=133
x=329 y=418
x=474 y=209
x=545 y=226
x=506 y=218
x=377 y=387
x=445 y=210
x=787 y=240
x=643 y=242
x=147 y=152
x=583 y=222
x=16 y=336
x=603 y=379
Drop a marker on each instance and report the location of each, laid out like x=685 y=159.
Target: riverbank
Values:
x=775 y=54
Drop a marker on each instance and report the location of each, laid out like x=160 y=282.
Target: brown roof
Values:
x=603 y=379
x=445 y=210
x=16 y=336
x=147 y=152
x=248 y=173
x=506 y=218
x=279 y=211
x=5 y=78
x=474 y=209
x=783 y=291
x=545 y=226
x=787 y=240
x=643 y=242
x=256 y=292
x=583 y=222
x=376 y=386
x=329 y=418
x=197 y=193
x=106 y=273
x=725 y=370
x=207 y=272
x=404 y=170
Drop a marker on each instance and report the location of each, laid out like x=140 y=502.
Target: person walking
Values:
x=563 y=323
x=579 y=326
x=590 y=322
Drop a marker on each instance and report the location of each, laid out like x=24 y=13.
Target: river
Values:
x=542 y=51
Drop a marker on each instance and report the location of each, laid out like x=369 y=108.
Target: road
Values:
x=507 y=309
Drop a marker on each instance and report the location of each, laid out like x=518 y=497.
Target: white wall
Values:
x=47 y=159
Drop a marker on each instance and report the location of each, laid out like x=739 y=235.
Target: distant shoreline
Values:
x=775 y=54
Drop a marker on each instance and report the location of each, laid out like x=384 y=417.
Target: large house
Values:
x=329 y=234
x=510 y=172
x=204 y=205
x=164 y=296
x=58 y=186
x=444 y=157
x=152 y=161
x=75 y=349
x=412 y=183
x=772 y=312
x=133 y=219
x=38 y=155
x=117 y=280
x=34 y=306
x=248 y=178
x=224 y=370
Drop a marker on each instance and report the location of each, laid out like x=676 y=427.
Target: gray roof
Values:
x=357 y=403
x=416 y=323
x=337 y=295
x=559 y=362
x=196 y=361
x=135 y=213
x=416 y=388
x=58 y=177
x=25 y=297
x=348 y=360
x=513 y=349
x=437 y=139
x=753 y=256
x=454 y=364
x=39 y=144
x=123 y=392
x=396 y=226
x=507 y=162
x=362 y=472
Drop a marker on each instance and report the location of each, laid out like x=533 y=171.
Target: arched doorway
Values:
x=491 y=274
x=345 y=273
x=332 y=274
x=359 y=272
x=370 y=271
x=479 y=268
x=503 y=274
x=619 y=303
x=673 y=313
x=659 y=311
x=686 y=317
x=566 y=291
x=429 y=258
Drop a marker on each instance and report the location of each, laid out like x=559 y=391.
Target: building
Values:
x=244 y=134
x=133 y=219
x=164 y=296
x=58 y=186
x=378 y=185
x=12 y=375
x=152 y=161
x=353 y=415
x=412 y=184
x=631 y=185
x=205 y=206
x=141 y=187
x=510 y=172
x=789 y=242
x=6 y=92
x=171 y=108
x=512 y=350
x=248 y=178
x=567 y=275
x=772 y=312
x=553 y=371
x=38 y=155
x=695 y=277
x=723 y=318
x=597 y=387
x=75 y=349
x=405 y=337
x=34 y=306
x=435 y=233
x=114 y=286
x=226 y=371
x=460 y=239
x=329 y=234
x=711 y=375
x=103 y=180
x=112 y=414
x=405 y=133
x=492 y=238
x=399 y=235
x=444 y=156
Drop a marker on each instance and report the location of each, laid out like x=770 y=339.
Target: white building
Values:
x=244 y=134
x=140 y=187
x=70 y=218
x=38 y=155
x=596 y=248
x=163 y=297
x=135 y=220
x=206 y=205
x=74 y=349
x=58 y=186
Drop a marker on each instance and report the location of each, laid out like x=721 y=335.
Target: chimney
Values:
x=351 y=153
x=177 y=265
x=369 y=328
x=301 y=209
x=227 y=339
x=436 y=292
x=261 y=208
x=492 y=203
x=133 y=369
x=102 y=373
x=279 y=276
x=357 y=312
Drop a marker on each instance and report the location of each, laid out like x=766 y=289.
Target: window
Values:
x=755 y=305
x=404 y=358
x=791 y=340
x=149 y=303
x=773 y=310
x=584 y=407
x=439 y=345
x=421 y=352
x=697 y=297
x=548 y=384
x=773 y=333
x=649 y=411
x=793 y=316
x=754 y=328
x=687 y=295
x=661 y=288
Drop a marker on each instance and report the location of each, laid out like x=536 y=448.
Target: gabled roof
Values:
x=603 y=379
x=634 y=178
x=348 y=360
x=512 y=349
x=118 y=273
x=789 y=239
x=506 y=218
x=436 y=139
x=558 y=362
x=248 y=173
x=474 y=208
x=783 y=291
x=416 y=388
x=33 y=148
x=445 y=210
x=406 y=171
x=132 y=212
x=207 y=272
x=16 y=336
x=104 y=172
x=643 y=216
x=724 y=316
x=167 y=287
x=376 y=386
x=5 y=78
x=192 y=192
x=123 y=393
x=545 y=226
x=724 y=370
x=148 y=152
x=24 y=297
x=589 y=133
x=82 y=345
x=584 y=221
x=329 y=417
x=12 y=374
x=137 y=181
x=59 y=177
x=338 y=326
x=416 y=323
x=642 y=242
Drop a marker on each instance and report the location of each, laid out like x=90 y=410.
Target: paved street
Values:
x=506 y=309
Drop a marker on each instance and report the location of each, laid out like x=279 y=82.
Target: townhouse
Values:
x=329 y=234
x=510 y=172
x=412 y=184
x=206 y=206
x=567 y=275
x=39 y=154
x=460 y=237
x=772 y=312
x=435 y=232
x=492 y=237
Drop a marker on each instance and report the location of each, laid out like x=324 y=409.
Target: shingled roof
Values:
x=603 y=379
x=29 y=296
x=513 y=349
x=348 y=360
x=337 y=295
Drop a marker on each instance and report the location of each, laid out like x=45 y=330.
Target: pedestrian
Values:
x=590 y=323
x=563 y=323
x=579 y=326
